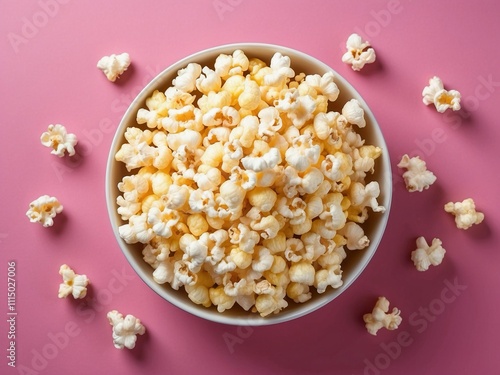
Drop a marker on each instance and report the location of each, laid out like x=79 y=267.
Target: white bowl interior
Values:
x=355 y=262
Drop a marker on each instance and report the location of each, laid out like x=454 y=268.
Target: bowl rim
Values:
x=252 y=319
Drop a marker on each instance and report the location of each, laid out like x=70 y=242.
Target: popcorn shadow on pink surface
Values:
x=125 y=77
x=480 y=231
x=64 y=166
x=434 y=195
x=60 y=223
x=143 y=345
x=457 y=119
x=80 y=305
x=418 y=204
x=377 y=67
x=75 y=161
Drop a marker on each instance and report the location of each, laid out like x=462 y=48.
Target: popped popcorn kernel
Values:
x=465 y=213
x=114 y=66
x=57 y=138
x=125 y=329
x=442 y=99
x=43 y=210
x=73 y=284
x=271 y=301
x=354 y=113
x=381 y=318
x=358 y=53
x=416 y=176
x=246 y=188
x=197 y=224
x=426 y=255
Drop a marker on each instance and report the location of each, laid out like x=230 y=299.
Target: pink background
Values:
x=49 y=75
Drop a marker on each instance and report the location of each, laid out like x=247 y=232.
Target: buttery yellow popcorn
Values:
x=245 y=187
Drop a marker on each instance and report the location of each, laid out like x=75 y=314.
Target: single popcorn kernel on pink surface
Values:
x=73 y=284
x=114 y=66
x=43 y=210
x=426 y=255
x=416 y=176
x=442 y=99
x=381 y=318
x=125 y=329
x=359 y=52
x=465 y=213
x=57 y=138
x=244 y=188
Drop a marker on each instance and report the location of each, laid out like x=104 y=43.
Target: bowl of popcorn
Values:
x=248 y=184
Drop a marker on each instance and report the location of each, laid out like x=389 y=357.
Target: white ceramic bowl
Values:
x=352 y=266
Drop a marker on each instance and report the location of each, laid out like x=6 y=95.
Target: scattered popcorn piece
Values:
x=441 y=98
x=245 y=187
x=416 y=177
x=57 y=138
x=358 y=53
x=73 y=284
x=379 y=317
x=114 y=66
x=125 y=329
x=426 y=255
x=43 y=210
x=465 y=213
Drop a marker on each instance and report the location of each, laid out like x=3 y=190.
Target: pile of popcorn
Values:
x=245 y=188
